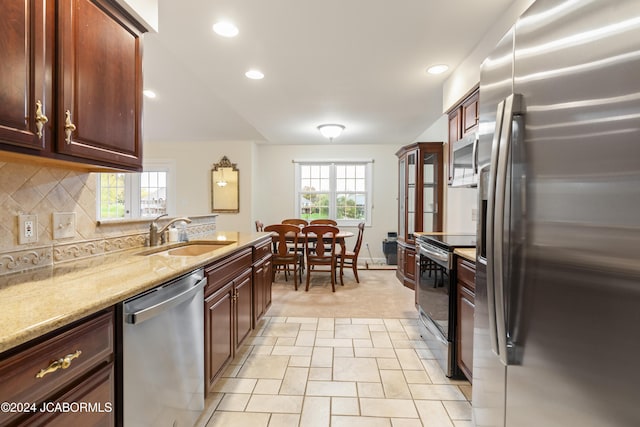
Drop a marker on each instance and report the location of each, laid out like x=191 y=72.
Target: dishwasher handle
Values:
x=153 y=310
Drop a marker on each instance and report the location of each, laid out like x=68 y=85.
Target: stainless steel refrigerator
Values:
x=557 y=316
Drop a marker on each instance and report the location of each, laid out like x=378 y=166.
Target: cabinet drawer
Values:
x=467 y=273
x=23 y=374
x=223 y=271
x=262 y=251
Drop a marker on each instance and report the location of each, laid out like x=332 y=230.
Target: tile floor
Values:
x=338 y=372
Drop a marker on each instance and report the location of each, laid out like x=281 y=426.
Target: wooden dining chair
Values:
x=323 y=222
x=295 y=221
x=320 y=254
x=259 y=225
x=287 y=235
x=350 y=258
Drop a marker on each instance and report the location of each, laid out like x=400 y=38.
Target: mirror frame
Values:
x=220 y=195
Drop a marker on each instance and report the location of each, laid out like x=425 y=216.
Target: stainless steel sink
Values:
x=188 y=249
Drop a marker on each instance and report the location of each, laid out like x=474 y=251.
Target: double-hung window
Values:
x=336 y=190
x=146 y=194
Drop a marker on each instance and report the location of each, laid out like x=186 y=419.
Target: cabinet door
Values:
x=99 y=84
x=26 y=33
x=455 y=133
x=268 y=273
x=412 y=199
x=243 y=302
x=470 y=113
x=466 y=309
x=218 y=329
x=258 y=291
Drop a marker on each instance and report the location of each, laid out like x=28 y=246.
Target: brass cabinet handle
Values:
x=41 y=119
x=62 y=363
x=68 y=126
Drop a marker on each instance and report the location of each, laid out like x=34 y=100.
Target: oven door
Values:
x=434 y=307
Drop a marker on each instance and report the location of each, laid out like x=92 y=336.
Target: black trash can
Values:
x=390 y=250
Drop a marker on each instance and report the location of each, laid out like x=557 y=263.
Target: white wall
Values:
x=194 y=161
x=274 y=186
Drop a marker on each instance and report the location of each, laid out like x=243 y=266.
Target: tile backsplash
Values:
x=35 y=189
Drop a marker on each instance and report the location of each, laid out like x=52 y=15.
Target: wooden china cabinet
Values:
x=420 y=202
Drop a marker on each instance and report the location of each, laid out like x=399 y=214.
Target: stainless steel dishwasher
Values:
x=163 y=354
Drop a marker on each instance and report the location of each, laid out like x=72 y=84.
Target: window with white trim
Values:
x=336 y=190
x=146 y=194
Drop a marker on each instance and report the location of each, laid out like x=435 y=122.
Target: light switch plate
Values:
x=64 y=225
x=27 y=229
x=474 y=214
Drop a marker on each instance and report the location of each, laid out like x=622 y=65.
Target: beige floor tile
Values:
x=362 y=343
x=370 y=390
x=326 y=324
x=242 y=354
x=312 y=320
x=308 y=326
x=345 y=406
x=322 y=357
x=343 y=352
x=262 y=349
x=316 y=412
x=306 y=338
x=331 y=388
x=234 y=402
x=462 y=423
x=435 y=371
x=466 y=390
x=433 y=414
x=398 y=336
x=388 y=363
x=277 y=319
x=295 y=381
x=264 y=366
x=366 y=321
x=342 y=320
x=284 y=420
x=352 y=331
x=424 y=353
x=405 y=422
x=231 y=371
x=355 y=369
x=436 y=392
x=417 y=377
x=267 y=386
x=381 y=340
x=320 y=374
x=278 y=404
x=409 y=359
x=300 y=361
x=394 y=385
x=261 y=341
x=234 y=385
x=238 y=419
x=398 y=408
x=322 y=333
x=211 y=401
x=393 y=325
x=375 y=352
x=346 y=421
x=285 y=350
x=377 y=327
x=458 y=410
x=334 y=342
x=285 y=341
x=281 y=330
x=418 y=343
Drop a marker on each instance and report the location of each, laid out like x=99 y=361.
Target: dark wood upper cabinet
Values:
x=79 y=63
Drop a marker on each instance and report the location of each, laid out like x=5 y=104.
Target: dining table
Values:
x=340 y=240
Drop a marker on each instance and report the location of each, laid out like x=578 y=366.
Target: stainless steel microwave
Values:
x=465 y=161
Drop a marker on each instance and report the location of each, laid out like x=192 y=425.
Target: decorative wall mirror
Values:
x=225 y=188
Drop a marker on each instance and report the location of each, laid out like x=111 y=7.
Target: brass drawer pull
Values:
x=63 y=363
x=41 y=119
x=69 y=127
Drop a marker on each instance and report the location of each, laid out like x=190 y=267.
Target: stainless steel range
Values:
x=436 y=297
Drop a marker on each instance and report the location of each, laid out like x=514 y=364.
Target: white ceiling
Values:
x=356 y=62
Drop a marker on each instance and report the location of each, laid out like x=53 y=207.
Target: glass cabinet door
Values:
x=402 y=196
x=411 y=194
x=430 y=191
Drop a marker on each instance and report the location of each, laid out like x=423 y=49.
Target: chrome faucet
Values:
x=156 y=237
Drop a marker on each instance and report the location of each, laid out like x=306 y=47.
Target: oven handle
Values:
x=425 y=250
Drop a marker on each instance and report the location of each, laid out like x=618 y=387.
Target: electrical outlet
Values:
x=64 y=224
x=27 y=229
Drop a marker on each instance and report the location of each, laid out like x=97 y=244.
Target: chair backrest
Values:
x=320 y=241
x=287 y=233
x=323 y=221
x=259 y=225
x=295 y=221
x=356 y=248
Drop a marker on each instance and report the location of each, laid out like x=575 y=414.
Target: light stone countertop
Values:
x=467 y=253
x=36 y=302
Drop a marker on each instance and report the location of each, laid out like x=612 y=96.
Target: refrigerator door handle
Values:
x=474 y=155
x=490 y=223
x=512 y=106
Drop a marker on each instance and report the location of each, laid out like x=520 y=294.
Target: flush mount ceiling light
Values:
x=225 y=29
x=149 y=93
x=437 y=69
x=331 y=130
x=254 y=74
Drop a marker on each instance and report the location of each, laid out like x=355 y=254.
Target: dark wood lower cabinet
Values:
x=262 y=280
x=406 y=271
x=218 y=327
x=243 y=302
x=466 y=272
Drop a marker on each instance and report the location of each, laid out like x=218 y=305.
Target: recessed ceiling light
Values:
x=437 y=69
x=254 y=74
x=225 y=29
x=149 y=93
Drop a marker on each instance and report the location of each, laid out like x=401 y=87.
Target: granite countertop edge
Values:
x=34 y=304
